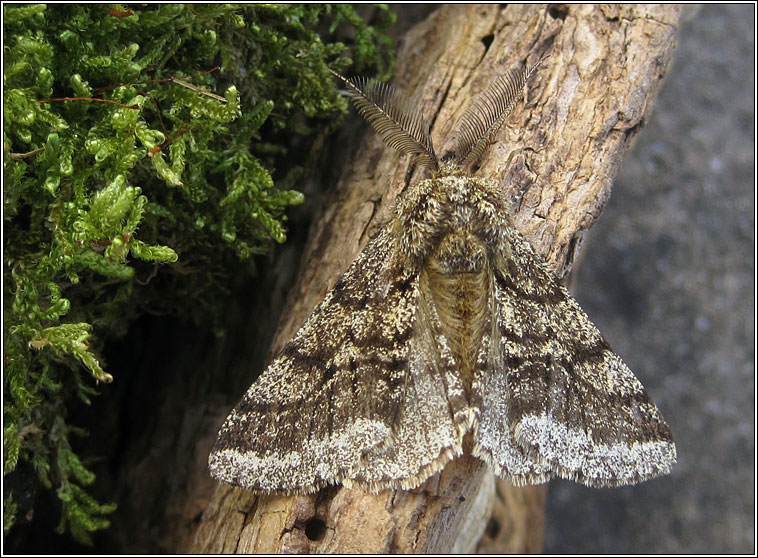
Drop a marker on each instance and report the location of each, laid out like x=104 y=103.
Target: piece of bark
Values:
x=584 y=104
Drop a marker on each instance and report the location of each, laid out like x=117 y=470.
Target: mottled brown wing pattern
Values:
x=494 y=440
x=432 y=419
x=571 y=403
x=334 y=390
x=348 y=399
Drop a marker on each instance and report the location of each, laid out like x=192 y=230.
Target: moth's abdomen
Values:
x=457 y=277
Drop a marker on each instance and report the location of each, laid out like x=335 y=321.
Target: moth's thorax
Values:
x=437 y=209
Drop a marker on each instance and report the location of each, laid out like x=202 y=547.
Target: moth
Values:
x=448 y=334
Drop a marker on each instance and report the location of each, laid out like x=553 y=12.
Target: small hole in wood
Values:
x=493 y=528
x=487 y=40
x=315 y=529
x=558 y=11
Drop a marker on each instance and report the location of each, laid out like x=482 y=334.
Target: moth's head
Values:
x=449 y=165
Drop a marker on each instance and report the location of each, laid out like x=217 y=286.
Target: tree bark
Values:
x=564 y=144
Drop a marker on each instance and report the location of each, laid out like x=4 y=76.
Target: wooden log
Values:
x=564 y=144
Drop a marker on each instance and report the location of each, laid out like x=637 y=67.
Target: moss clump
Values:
x=142 y=143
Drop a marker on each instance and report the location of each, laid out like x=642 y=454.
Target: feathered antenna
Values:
x=487 y=113
x=400 y=126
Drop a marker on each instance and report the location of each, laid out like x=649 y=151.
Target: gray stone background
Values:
x=668 y=275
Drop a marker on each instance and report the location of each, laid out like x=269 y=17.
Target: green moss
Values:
x=119 y=168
